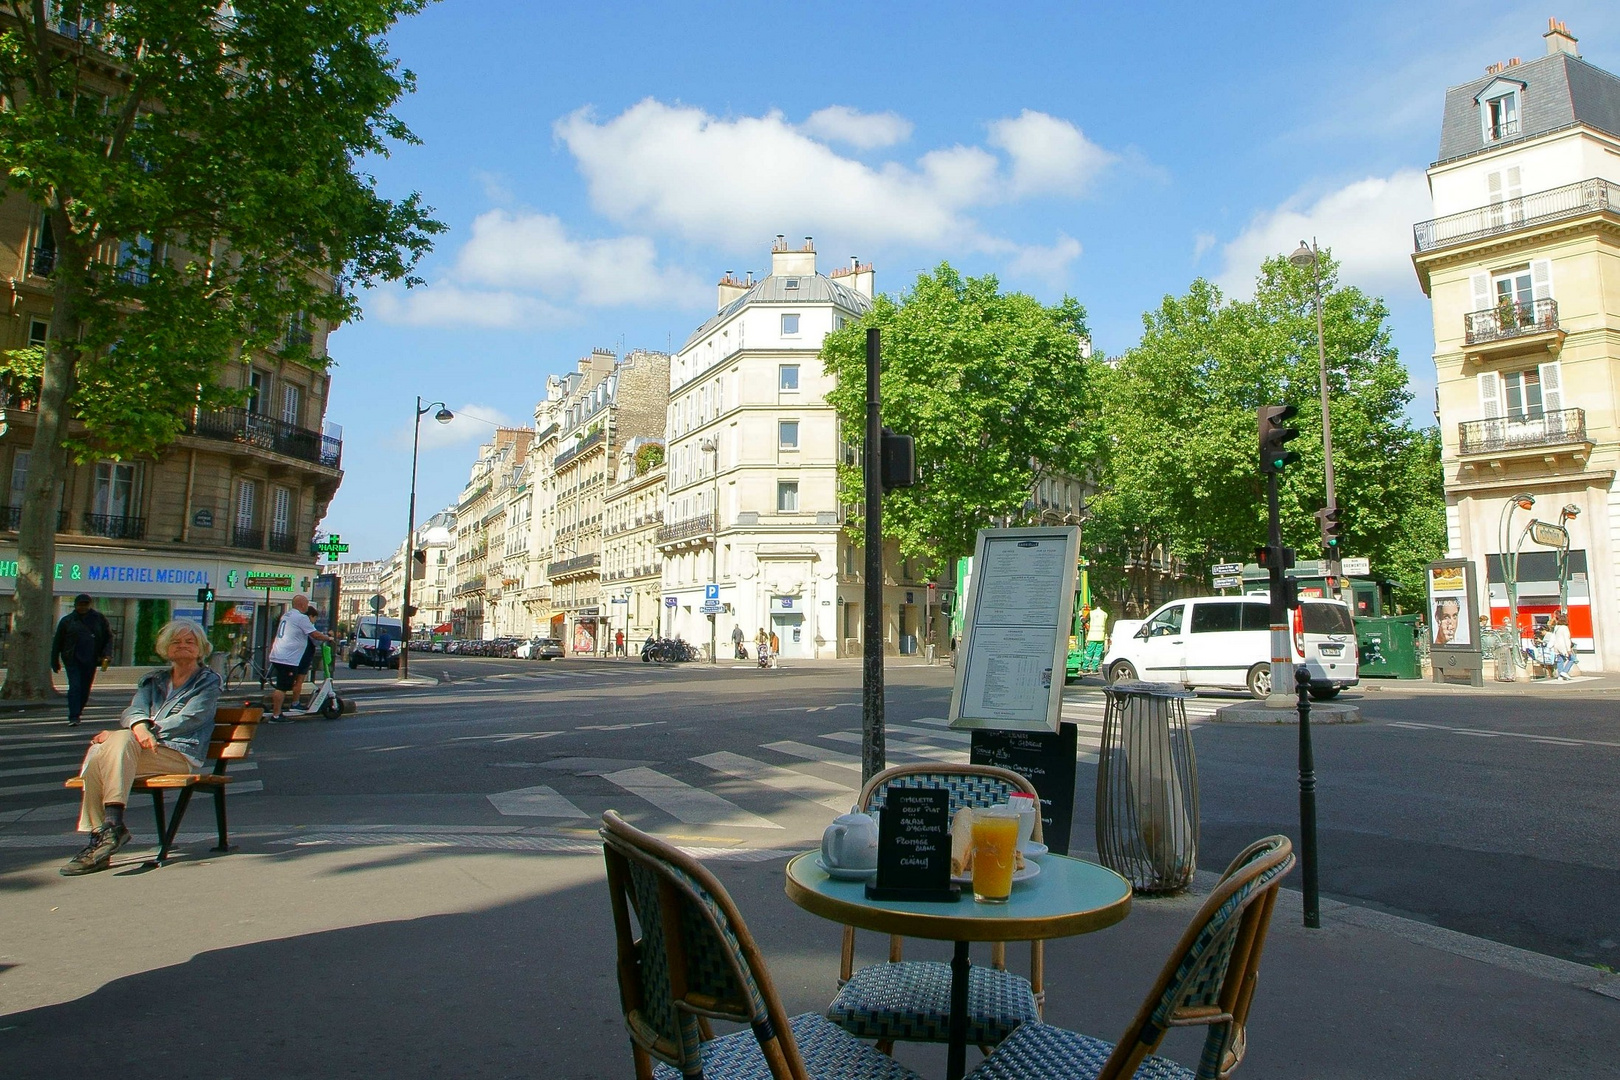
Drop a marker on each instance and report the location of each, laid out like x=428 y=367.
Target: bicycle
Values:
x=242 y=670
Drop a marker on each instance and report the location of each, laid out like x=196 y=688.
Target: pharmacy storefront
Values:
x=139 y=592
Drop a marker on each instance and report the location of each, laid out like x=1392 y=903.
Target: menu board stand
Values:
x=914 y=848
x=1046 y=760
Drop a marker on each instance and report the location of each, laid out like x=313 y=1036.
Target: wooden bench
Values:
x=234 y=727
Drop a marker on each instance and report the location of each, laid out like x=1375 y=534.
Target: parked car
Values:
x=1225 y=641
x=540 y=648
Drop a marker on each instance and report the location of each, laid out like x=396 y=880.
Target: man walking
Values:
x=83 y=640
x=292 y=636
x=1096 y=639
x=737 y=641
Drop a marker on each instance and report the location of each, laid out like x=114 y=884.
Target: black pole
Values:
x=264 y=647
x=1277 y=575
x=1307 y=799
x=872 y=748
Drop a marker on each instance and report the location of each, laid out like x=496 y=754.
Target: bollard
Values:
x=1307 y=799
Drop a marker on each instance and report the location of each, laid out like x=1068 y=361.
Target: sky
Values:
x=600 y=166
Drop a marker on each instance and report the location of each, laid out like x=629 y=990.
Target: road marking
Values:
x=929 y=751
x=813 y=753
x=504 y=738
x=1555 y=740
x=620 y=727
x=538 y=801
x=816 y=789
x=930 y=733
x=29 y=789
x=683 y=802
x=36 y=770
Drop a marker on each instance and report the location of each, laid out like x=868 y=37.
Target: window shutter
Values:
x=1490 y=395
x=1541 y=279
x=1482 y=292
x=1515 y=188
x=1493 y=186
x=1552 y=388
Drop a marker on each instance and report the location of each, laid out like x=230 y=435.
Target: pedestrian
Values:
x=737 y=642
x=776 y=647
x=292 y=637
x=1563 y=648
x=618 y=642
x=1096 y=639
x=83 y=642
x=166 y=729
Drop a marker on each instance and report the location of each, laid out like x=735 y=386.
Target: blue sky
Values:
x=600 y=166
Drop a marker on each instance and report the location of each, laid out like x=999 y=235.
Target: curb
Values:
x=1322 y=712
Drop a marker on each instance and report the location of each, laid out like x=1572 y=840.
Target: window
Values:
x=292 y=401
x=19 y=478
x=1256 y=616
x=1217 y=618
x=38 y=333
x=790 y=325
x=787 y=435
x=787 y=377
x=44 y=260
x=1501 y=115
x=791 y=283
x=1521 y=393
x=281 y=511
x=115 y=489
x=1326 y=619
x=1522 y=396
x=258 y=391
x=1166 y=622
x=787 y=497
x=246 y=498
x=135 y=260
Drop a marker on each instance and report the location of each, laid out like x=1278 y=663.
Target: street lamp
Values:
x=1569 y=513
x=1510 y=571
x=1303 y=256
x=443 y=416
x=712 y=446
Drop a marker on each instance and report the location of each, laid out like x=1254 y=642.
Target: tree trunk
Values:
x=28 y=663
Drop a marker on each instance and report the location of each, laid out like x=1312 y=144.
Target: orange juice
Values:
x=995 y=839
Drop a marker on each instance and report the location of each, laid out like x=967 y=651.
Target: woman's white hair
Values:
x=166 y=636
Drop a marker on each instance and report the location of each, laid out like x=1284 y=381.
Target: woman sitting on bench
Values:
x=165 y=730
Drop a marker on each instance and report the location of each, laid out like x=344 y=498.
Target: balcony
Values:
x=11 y=519
x=1570 y=201
x=278 y=436
x=589 y=442
x=681 y=532
x=244 y=537
x=284 y=543
x=43 y=262
x=1504 y=448
x=471 y=585
x=1513 y=330
x=578 y=564
x=115 y=526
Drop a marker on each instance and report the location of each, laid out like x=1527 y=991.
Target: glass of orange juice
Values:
x=995 y=839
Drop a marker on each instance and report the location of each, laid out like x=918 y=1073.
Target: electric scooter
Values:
x=326 y=700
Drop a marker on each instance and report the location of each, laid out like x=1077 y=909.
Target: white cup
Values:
x=1026 y=807
x=851 y=843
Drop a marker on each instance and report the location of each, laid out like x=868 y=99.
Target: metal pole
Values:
x=1282 y=653
x=1335 y=566
x=1307 y=800
x=1510 y=573
x=872 y=748
x=714 y=563
x=410 y=557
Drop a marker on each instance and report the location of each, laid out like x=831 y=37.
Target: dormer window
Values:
x=1499 y=105
x=791 y=283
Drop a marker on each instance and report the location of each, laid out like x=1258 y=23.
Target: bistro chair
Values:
x=910 y=1000
x=695 y=961
x=1209 y=980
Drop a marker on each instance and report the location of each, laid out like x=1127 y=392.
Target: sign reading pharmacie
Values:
x=138 y=575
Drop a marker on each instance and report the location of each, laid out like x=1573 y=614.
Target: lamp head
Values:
x=1570 y=510
x=444 y=416
x=1524 y=501
x=1303 y=256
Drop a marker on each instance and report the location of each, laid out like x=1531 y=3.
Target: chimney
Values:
x=857 y=275
x=731 y=287
x=1559 y=39
x=785 y=263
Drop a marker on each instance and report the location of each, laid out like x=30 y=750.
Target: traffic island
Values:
x=1256 y=712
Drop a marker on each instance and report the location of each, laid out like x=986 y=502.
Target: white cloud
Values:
x=1202 y=243
x=732 y=181
x=1046 y=263
x=863 y=131
x=1049 y=156
x=472 y=424
x=449 y=305
x=1367 y=224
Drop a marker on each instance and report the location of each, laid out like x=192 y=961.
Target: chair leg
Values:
x=174 y=825
x=886 y=1046
x=219 y=820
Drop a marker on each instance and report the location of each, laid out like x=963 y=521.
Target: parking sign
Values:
x=711 y=592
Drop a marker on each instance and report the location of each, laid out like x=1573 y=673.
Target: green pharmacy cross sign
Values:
x=331 y=547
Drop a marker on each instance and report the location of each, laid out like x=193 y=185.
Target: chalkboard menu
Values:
x=1046 y=759
x=914 y=846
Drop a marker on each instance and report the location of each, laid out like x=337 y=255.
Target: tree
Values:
x=197 y=168
x=1182 y=474
x=991 y=386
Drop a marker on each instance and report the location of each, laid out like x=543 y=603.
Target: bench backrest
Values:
x=234 y=726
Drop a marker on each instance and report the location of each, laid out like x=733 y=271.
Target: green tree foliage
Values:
x=992 y=388
x=198 y=170
x=649 y=457
x=1182 y=471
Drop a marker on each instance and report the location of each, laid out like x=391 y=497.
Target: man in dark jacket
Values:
x=83 y=641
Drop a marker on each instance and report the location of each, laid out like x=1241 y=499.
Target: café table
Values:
x=1068 y=897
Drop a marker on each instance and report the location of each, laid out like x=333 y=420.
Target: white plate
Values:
x=1032 y=849
x=844 y=873
x=1030 y=870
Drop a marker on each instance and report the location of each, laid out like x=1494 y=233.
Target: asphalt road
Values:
x=1494 y=814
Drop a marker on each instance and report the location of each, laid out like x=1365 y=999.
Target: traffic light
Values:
x=1329 y=517
x=899 y=461
x=419 y=570
x=1274 y=434
x=1280 y=557
x=205 y=595
x=411 y=610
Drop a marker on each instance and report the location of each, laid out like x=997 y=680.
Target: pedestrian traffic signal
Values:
x=1280 y=557
x=205 y=595
x=411 y=610
x=1329 y=517
x=1274 y=435
x=419 y=564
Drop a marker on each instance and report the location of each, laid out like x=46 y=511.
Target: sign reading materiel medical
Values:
x=1015 y=630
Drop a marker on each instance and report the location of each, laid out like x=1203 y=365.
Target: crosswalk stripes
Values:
x=683 y=802
x=828 y=793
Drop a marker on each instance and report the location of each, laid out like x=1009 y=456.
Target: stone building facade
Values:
x=631 y=567
x=482 y=505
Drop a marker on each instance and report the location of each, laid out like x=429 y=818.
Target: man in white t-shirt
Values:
x=293 y=634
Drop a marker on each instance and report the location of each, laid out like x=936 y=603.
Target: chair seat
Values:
x=1042 y=1052
x=829 y=1053
x=910 y=1001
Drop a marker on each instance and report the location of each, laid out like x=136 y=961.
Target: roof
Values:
x=812 y=289
x=1558 y=91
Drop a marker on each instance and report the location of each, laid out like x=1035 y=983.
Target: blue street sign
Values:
x=670 y=601
x=711 y=592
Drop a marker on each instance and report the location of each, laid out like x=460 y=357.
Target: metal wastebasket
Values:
x=1388 y=646
x=1147 y=787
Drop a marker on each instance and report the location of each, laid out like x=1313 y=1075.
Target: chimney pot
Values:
x=1560 y=40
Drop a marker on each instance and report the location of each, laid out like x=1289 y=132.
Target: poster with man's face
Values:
x=1448 y=599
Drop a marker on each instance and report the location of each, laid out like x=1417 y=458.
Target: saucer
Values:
x=845 y=873
x=1030 y=870
x=1032 y=849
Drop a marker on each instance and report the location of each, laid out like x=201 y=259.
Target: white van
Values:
x=1225 y=641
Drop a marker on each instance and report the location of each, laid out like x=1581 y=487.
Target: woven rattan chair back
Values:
x=1210 y=976
x=693 y=959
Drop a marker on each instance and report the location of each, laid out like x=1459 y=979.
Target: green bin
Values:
x=1388 y=645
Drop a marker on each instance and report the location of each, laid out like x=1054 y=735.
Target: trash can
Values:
x=1388 y=646
x=1147 y=787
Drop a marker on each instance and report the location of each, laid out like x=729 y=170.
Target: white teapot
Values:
x=851 y=843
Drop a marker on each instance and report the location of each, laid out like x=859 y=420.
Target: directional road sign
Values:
x=268 y=581
x=1227 y=569
x=1228 y=581
x=712 y=607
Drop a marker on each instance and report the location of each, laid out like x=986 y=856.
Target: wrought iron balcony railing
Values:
x=702 y=525
x=268 y=433
x=115 y=526
x=1520 y=433
x=594 y=439
x=243 y=537
x=1571 y=200
x=1510 y=320
x=574 y=565
x=11 y=519
x=284 y=543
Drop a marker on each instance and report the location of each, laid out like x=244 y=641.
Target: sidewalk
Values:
x=415 y=959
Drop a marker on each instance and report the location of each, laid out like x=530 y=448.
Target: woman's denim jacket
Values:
x=184 y=720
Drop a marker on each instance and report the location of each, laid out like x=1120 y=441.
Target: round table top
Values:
x=1066 y=898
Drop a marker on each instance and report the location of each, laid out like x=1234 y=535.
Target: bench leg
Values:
x=157 y=808
x=219 y=820
x=174 y=824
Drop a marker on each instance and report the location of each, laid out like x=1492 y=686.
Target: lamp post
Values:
x=1569 y=513
x=712 y=446
x=443 y=416
x=1303 y=256
x=1510 y=571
